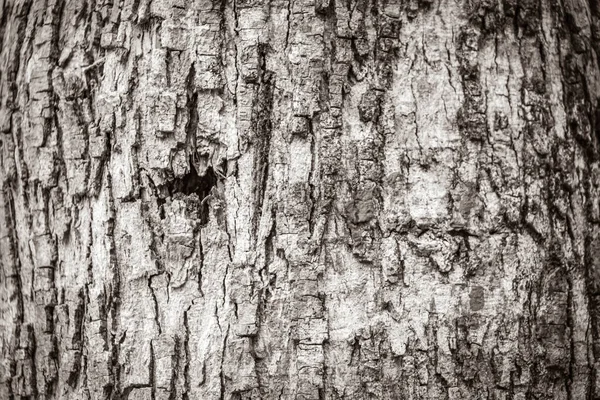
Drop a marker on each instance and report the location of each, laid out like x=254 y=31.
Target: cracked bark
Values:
x=343 y=199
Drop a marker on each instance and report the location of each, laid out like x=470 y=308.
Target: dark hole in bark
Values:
x=192 y=183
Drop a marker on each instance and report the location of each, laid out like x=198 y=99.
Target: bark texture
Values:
x=299 y=199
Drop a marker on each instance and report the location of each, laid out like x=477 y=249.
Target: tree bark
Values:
x=300 y=199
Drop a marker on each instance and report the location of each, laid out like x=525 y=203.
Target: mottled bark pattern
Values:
x=299 y=199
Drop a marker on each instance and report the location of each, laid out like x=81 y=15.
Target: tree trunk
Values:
x=303 y=199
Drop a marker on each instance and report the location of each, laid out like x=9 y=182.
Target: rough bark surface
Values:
x=299 y=199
